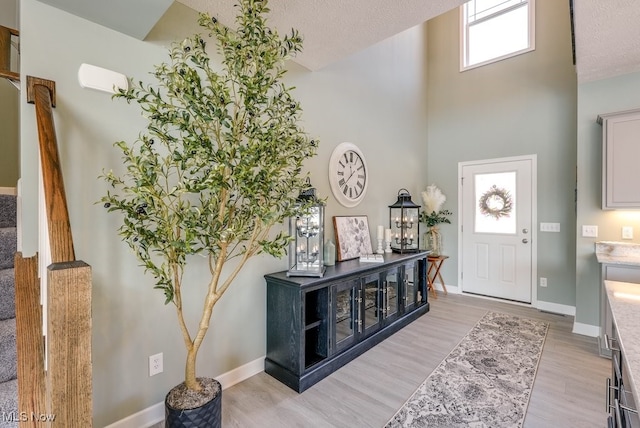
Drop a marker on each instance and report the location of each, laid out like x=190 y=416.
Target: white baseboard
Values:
x=453 y=289
x=154 y=414
x=578 y=328
x=8 y=191
x=244 y=372
x=143 y=419
x=556 y=308
x=586 y=329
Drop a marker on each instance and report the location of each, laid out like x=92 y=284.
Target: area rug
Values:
x=485 y=381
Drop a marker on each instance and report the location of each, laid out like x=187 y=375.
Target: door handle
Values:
x=525 y=230
x=525 y=240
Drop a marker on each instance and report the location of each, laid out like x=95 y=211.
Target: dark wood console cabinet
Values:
x=316 y=325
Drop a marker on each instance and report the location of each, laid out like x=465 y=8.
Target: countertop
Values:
x=624 y=299
x=618 y=253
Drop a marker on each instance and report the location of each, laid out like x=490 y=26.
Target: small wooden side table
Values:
x=433 y=273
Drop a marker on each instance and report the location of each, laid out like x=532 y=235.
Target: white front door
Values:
x=497 y=227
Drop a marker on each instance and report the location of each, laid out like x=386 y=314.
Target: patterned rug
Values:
x=485 y=381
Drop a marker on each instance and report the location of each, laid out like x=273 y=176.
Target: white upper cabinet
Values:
x=620 y=160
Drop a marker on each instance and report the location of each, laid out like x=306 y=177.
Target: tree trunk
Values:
x=190 y=370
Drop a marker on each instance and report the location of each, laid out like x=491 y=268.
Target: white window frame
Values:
x=464 y=34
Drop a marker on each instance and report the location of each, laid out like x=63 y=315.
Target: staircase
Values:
x=8 y=359
x=62 y=394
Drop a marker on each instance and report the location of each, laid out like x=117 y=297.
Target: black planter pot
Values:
x=208 y=415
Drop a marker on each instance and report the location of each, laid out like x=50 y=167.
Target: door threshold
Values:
x=497 y=299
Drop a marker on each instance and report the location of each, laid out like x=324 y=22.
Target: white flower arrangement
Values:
x=433 y=213
x=433 y=199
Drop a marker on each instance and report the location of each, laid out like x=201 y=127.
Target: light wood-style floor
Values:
x=568 y=391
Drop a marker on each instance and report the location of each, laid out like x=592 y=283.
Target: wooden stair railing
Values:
x=5 y=53
x=60 y=394
x=29 y=340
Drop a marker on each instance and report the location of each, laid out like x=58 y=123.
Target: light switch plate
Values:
x=549 y=227
x=589 y=231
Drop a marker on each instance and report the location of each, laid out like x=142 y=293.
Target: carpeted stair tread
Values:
x=9 y=404
x=8 y=357
x=7 y=294
x=8 y=244
x=7 y=211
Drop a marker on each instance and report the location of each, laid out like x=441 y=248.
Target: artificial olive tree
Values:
x=219 y=166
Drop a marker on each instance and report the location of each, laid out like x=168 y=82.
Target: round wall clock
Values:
x=348 y=174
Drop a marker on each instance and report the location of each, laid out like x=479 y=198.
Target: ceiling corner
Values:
x=132 y=17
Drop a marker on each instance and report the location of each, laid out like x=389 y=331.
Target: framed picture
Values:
x=352 y=236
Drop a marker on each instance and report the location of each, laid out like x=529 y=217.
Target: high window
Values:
x=493 y=30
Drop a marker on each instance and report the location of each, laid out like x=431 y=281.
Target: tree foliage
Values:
x=220 y=162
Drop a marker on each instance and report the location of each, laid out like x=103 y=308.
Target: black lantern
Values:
x=404 y=222
x=307 y=230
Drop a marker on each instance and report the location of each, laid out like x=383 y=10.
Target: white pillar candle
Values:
x=380 y=231
x=387 y=235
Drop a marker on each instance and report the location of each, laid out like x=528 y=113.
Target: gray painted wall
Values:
x=594 y=98
x=375 y=99
x=9 y=107
x=520 y=106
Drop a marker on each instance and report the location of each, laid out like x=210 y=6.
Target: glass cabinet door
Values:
x=410 y=284
x=371 y=308
x=345 y=320
x=391 y=294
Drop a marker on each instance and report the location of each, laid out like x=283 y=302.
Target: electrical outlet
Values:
x=589 y=231
x=543 y=282
x=155 y=364
x=627 y=232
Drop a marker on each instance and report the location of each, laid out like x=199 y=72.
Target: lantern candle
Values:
x=306 y=229
x=406 y=229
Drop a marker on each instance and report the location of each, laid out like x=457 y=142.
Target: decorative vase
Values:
x=329 y=253
x=207 y=415
x=433 y=241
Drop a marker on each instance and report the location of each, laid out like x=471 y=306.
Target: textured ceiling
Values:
x=333 y=29
x=607 y=38
x=607 y=32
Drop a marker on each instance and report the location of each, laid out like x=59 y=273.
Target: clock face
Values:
x=348 y=174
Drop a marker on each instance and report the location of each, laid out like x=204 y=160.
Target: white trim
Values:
x=586 y=329
x=556 y=308
x=8 y=191
x=241 y=373
x=453 y=289
x=143 y=419
x=154 y=414
x=44 y=260
x=464 y=28
x=19 y=215
x=498 y=59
